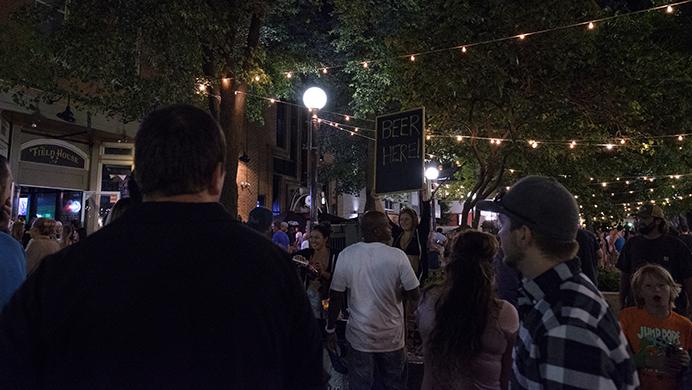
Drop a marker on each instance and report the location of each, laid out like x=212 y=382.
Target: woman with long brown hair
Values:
x=467 y=332
x=409 y=239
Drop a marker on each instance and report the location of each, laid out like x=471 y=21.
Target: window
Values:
x=114 y=177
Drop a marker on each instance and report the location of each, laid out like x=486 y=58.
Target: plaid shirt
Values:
x=569 y=339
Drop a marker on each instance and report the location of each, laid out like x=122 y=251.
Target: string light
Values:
x=289 y=75
x=413 y=58
x=495 y=141
x=590 y=25
x=459 y=138
x=622 y=141
x=604 y=184
x=202 y=87
x=324 y=70
x=257 y=78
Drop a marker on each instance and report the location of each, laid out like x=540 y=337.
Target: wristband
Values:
x=329 y=331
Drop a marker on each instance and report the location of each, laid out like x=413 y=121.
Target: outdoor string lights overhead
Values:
x=609 y=143
x=589 y=25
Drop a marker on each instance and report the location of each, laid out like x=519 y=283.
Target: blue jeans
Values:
x=386 y=369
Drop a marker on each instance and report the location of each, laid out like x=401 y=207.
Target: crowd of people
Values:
x=174 y=293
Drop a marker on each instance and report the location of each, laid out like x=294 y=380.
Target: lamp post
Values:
x=431 y=174
x=314 y=99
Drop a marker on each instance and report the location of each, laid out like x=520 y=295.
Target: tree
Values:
x=127 y=57
x=624 y=79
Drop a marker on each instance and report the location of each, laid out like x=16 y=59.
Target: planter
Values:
x=613 y=300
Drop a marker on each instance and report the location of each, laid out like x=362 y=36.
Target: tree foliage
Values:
x=124 y=58
x=625 y=78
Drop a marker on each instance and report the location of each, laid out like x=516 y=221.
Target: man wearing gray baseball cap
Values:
x=568 y=336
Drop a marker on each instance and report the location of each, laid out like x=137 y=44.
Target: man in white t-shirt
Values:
x=378 y=278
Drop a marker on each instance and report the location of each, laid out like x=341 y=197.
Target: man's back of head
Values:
x=375 y=227
x=178 y=149
x=260 y=219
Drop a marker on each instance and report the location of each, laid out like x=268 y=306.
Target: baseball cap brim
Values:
x=491 y=205
x=497 y=207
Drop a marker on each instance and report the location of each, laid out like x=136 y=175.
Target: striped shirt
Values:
x=568 y=338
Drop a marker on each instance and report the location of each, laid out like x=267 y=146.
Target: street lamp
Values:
x=314 y=99
x=432 y=173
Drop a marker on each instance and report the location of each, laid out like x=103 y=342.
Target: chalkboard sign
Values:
x=53 y=155
x=400 y=152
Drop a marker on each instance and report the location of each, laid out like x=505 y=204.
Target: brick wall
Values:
x=255 y=177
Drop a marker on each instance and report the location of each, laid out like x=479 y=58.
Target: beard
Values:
x=513 y=259
x=646 y=229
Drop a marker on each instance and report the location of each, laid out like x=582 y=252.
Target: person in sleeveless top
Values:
x=468 y=333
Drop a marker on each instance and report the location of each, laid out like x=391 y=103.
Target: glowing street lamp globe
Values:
x=432 y=173
x=314 y=98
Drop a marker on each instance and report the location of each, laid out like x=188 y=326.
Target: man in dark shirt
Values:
x=587 y=254
x=173 y=295
x=655 y=246
x=685 y=236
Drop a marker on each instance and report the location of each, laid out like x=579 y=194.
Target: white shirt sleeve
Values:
x=406 y=275
x=340 y=277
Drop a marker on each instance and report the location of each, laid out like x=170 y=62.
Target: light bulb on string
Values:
x=669 y=9
x=365 y=64
x=604 y=184
x=459 y=138
x=272 y=101
x=610 y=146
x=257 y=78
x=572 y=145
x=591 y=26
x=289 y=75
x=463 y=49
x=522 y=36
x=427 y=137
x=202 y=87
x=412 y=58
x=347 y=118
x=356 y=129
x=680 y=138
x=622 y=141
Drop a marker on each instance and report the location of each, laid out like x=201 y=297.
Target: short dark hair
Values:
x=564 y=250
x=177 y=149
x=323 y=228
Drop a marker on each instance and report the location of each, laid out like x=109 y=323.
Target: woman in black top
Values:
x=409 y=239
